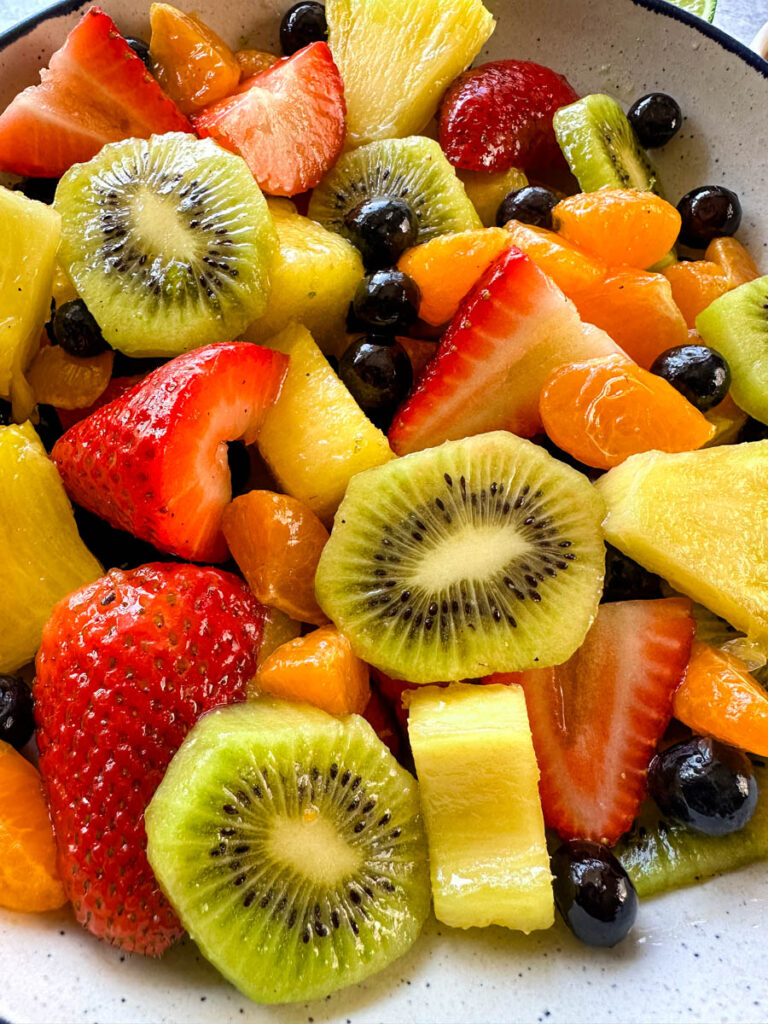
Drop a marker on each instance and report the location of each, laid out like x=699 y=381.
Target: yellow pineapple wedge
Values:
x=316 y=437
x=314 y=276
x=29 y=237
x=699 y=520
x=479 y=786
x=42 y=555
x=397 y=57
x=486 y=189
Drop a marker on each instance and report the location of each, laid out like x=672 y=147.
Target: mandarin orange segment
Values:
x=276 y=540
x=253 y=62
x=619 y=225
x=570 y=267
x=637 y=309
x=191 y=63
x=733 y=259
x=446 y=267
x=601 y=411
x=57 y=378
x=319 y=668
x=719 y=697
x=29 y=878
x=695 y=285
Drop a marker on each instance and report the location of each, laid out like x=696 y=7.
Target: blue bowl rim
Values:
x=669 y=10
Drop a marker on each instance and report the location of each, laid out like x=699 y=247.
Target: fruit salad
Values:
x=384 y=463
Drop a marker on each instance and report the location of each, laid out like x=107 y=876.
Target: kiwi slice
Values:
x=169 y=242
x=413 y=169
x=659 y=854
x=601 y=147
x=483 y=555
x=290 y=844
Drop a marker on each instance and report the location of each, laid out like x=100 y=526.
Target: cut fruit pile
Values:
x=484 y=460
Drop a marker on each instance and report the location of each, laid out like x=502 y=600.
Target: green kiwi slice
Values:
x=601 y=147
x=290 y=844
x=413 y=169
x=168 y=240
x=659 y=854
x=482 y=555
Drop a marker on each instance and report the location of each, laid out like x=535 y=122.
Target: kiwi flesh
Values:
x=290 y=844
x=481 y=555
x=169 y=242
x=413 y=169
x=659 y=854
x=601 y=147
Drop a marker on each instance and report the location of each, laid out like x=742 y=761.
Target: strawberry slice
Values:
x=95 y=90
x=288 y=122
x=509 y=333
x=597 y=719
x=154 y=461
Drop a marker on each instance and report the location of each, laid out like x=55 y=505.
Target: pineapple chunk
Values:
x=486 y=189
x=29 y=237
x=42 y=555
x=479 y=785
x=314 y=277
x=397 y=57
x=699 y=520
x=316 y=437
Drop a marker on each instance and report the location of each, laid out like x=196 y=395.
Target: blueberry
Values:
x=704 y=785
x=17 y=720
x=48 y=426
x=75 y=329
x=656 y=118
x=378 y=374
x=711 y=211
x=593 y=893
x=699 y=373
x=387 y=300
x=6 y=413
x=41 y=189
x=530 y=205
x=382 y=229
x=302 y=24
x=141 y=49
x=625 y=580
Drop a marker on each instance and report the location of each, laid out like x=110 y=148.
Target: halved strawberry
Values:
x=154 y=461
x=95 y=90
x=288 y=123
x=596 y=720
x=509 y=333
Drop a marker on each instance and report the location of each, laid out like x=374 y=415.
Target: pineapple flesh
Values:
x=479 y=785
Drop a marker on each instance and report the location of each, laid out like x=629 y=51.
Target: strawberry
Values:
x=154 y=461
x=116 y=387
x=125 y=668
x=95 y=90
x=512 y=329
x=288 y=122
x=499 y=115
x=597 y=719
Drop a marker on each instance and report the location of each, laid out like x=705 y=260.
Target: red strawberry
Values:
x=288 y=122
x=116 y=387
x=509 y=333
x=500 y=115
x=95 y=90
x=154 y=461
x=125 y=668
x=597 y=719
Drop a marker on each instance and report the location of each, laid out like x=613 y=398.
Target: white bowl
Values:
x=698 y=954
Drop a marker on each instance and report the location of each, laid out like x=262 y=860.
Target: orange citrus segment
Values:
x=695 y=286
x=571 y=268
x=57 y=378
x=191 y=63
x=601 y=411
x=446 y=267
x=619 y=225
x=719 y=697
x=276 y=540
x=29 y=879
x=637 y=310
x=253 y=62
x=319 y=668
x=733 y=259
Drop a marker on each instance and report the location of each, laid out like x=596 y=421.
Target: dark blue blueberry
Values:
x=141 y=49
x=593 y=893
x=75 y=329
x=17 y=720
x=530 y=205
x=656 y=118
x=378 y=375
x=386 y=300
x=302 y=24
x=382 y=229
x=699 y=373
x=711 y=211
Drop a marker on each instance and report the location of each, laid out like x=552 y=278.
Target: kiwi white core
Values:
x=158 y=227
x=313 y=848
x=473 y=552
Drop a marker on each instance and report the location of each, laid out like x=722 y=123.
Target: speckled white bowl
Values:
x=696 y=955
